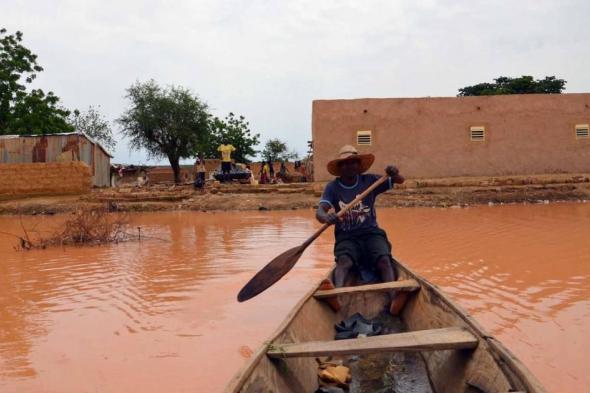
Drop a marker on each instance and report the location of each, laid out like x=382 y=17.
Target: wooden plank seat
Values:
x=421 y=340
x=402 y=285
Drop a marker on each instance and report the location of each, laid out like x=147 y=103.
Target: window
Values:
x=478 y=133
x=364 y=138
x=582 y=131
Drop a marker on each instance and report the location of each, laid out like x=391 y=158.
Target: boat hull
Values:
x=488 y=368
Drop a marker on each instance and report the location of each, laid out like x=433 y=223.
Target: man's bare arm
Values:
x=325 y=215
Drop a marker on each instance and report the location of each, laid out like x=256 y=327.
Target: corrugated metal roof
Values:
x=92 y=140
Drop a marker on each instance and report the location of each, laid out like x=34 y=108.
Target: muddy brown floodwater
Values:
x=160 y=315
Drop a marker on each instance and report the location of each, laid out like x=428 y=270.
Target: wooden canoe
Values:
x=440 y=342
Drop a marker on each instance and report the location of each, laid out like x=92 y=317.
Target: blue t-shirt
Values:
x=362 y=215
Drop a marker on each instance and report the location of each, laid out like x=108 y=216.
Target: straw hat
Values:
x=348 y=152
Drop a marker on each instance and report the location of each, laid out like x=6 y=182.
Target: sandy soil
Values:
x=449 y=192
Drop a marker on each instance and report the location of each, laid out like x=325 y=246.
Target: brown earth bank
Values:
x=447 y=192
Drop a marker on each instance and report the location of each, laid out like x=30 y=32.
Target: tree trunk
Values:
x=175 y=168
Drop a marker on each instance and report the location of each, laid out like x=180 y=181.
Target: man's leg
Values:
x=225 y=171
x=343 y=265
x=378 y=253
x=385 y=269
x=379 y=248
x=388 y=273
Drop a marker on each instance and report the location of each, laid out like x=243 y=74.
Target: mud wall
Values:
x=54 y=178
x=430 y=137
x=57 y=148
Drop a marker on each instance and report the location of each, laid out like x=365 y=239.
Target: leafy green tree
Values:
x=167 y=122
x=93 y=123
x=234 y=130
x=524 y=85
x=23 y=112
x=277 y=150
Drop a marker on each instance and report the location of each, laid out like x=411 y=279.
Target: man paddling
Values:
x=359 y=240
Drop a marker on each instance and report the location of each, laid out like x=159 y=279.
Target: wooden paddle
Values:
x=281 y=265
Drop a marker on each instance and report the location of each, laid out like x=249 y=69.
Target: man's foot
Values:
x=332 y=301
x=399 y=301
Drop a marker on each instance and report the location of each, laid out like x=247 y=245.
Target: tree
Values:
x=233 y=130
x=524 y=85
x=94 y=125
x=276 y=150
x=168 y=122
x=23 y=112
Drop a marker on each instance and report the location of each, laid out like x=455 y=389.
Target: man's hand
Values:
x=331 y=218
x=326 y=216
x=393 y=172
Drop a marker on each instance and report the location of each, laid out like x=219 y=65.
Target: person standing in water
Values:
x=360 y=243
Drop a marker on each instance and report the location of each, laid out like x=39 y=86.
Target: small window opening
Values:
x=582 y=131
x=478 y=133
x=364 y=138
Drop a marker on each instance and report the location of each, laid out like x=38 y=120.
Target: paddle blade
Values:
x=271 y=273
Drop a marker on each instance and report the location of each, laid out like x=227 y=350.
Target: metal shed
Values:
x=73 y=146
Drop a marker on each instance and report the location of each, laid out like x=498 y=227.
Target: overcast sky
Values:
x=268 y=60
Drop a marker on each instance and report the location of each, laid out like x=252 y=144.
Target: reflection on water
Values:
x=161 y=315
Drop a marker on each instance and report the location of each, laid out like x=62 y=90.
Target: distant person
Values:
x=283 y=173
x=226 y=150
x=200 y=175
x=360 y=243
x=264 y=173
x=251 y=179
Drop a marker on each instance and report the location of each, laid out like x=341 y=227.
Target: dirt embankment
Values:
x=458 y=192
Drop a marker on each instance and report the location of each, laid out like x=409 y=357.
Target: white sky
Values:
x=268 y=60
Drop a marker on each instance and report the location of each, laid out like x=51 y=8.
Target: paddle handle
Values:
x=356 y=200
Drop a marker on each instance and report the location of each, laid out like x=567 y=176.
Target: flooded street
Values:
x=161 y=315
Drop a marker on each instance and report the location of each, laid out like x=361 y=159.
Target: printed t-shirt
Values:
x=226 y=151
x=362 y=215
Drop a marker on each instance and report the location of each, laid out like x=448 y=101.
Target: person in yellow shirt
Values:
x=226 y=149
x=264 y=173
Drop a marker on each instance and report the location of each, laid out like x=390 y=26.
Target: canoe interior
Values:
x=489 y=368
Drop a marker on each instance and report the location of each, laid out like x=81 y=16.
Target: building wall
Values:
x=58 y=148
x=430 y=137
x=164 y=174
x=102 y=171
x=55 y=178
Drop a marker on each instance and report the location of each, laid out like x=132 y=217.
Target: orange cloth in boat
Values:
x=336 y=374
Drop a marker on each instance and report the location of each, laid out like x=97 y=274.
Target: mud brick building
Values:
x=58 y=148
x=458 y=136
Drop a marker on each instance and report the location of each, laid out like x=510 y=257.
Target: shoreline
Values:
x=442 y=193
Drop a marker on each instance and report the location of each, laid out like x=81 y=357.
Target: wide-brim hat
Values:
x=350 y=153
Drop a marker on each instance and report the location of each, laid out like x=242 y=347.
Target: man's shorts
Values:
x=225 y=167
x=364 y=246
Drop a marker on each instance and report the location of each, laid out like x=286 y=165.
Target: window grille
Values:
x=582 y=131
x=477 y=133
x=364 y=138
